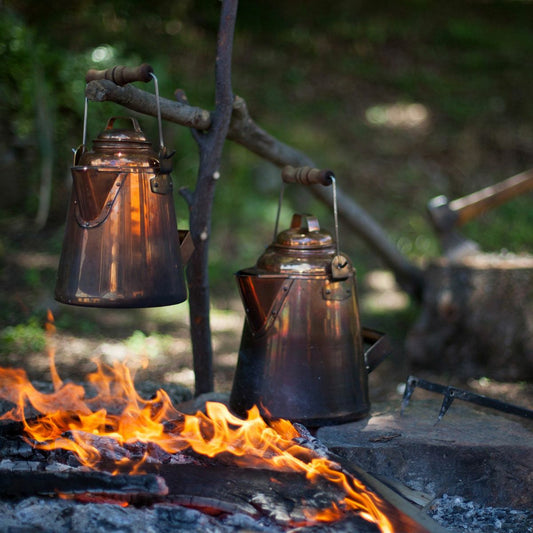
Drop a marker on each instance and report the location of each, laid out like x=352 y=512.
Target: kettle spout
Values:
x=263 y=297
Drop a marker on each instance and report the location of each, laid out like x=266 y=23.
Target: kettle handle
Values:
x=121 y=75
x=380 y=348
x=307 y=176
x=134 y=122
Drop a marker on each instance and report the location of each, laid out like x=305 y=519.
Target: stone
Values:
x=475 y=453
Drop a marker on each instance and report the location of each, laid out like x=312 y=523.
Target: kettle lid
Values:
x=116 y=147
x=304 y=233
x=111 y=135
x=303 y=249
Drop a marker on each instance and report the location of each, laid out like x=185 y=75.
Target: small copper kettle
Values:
x=121 y=246
x=301 y=355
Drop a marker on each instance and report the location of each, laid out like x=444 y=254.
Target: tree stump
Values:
x=476 y=318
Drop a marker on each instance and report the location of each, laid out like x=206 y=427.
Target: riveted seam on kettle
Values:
x=107 y=205
x=338 y=290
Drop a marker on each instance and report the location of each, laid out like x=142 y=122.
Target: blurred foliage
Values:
x=23 y=338
x=324 y=78
x=149 y=346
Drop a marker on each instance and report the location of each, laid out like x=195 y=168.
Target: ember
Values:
x=91 y=427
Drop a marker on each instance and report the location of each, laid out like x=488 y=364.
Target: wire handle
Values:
x=310 y=176
x=121 y=75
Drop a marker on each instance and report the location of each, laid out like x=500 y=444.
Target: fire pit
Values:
x=275 y=474
x=115 y=447
x=290 y=481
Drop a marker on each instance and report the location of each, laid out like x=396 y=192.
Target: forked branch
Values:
x=244 y=131
x=231 y=119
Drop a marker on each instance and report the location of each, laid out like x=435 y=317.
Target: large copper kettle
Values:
x=301 y=355
x=121 y=246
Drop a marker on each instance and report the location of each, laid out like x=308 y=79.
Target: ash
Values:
x=459 y=515
x=48 y=516
x=45 y=515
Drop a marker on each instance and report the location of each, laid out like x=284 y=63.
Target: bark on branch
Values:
x=244 y=131
x=210 y=146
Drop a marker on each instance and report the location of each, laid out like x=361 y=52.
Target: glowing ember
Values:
x=117 y=414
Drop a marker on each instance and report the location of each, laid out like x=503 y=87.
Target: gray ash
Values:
x=455 y=513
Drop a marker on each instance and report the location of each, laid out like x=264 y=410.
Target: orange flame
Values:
x=50 y=329
x=117 y=414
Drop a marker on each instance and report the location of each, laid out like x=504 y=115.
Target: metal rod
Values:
x=335 y=214
x=452 y=393
x=158 y=105
x=280 y=201
x=84 y=137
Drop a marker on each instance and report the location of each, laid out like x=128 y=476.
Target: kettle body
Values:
x=301 y=355
x=121 y=245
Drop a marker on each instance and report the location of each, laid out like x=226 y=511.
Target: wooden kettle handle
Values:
x=121 y=75
x=306 y=175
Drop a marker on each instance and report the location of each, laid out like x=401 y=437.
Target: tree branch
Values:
x=133 y=98
x=244 y=131
x=210 y=146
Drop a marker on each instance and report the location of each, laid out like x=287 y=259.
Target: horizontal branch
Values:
x=144 y=102
x=244 y=131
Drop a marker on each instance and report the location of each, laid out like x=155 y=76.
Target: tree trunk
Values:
x=201 y=202
x=476 y=318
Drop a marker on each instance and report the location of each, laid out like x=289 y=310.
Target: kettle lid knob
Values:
x=304 y=232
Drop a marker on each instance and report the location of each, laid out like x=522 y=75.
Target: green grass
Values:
x=23 y=338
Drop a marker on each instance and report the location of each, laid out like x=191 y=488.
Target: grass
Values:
x=23 y=338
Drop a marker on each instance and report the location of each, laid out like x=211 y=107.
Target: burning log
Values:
x=113 y=454
x=286 y=498
x=17 y=484
x=16 y=448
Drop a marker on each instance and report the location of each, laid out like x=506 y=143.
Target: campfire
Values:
x=116 y=430
x=104 y=450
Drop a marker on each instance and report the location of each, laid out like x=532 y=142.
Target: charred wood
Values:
x=17 y=484
x=286 y=498
x=18 y=449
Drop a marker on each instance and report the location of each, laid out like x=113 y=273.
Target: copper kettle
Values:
x=121 y=246
x=301 y=355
